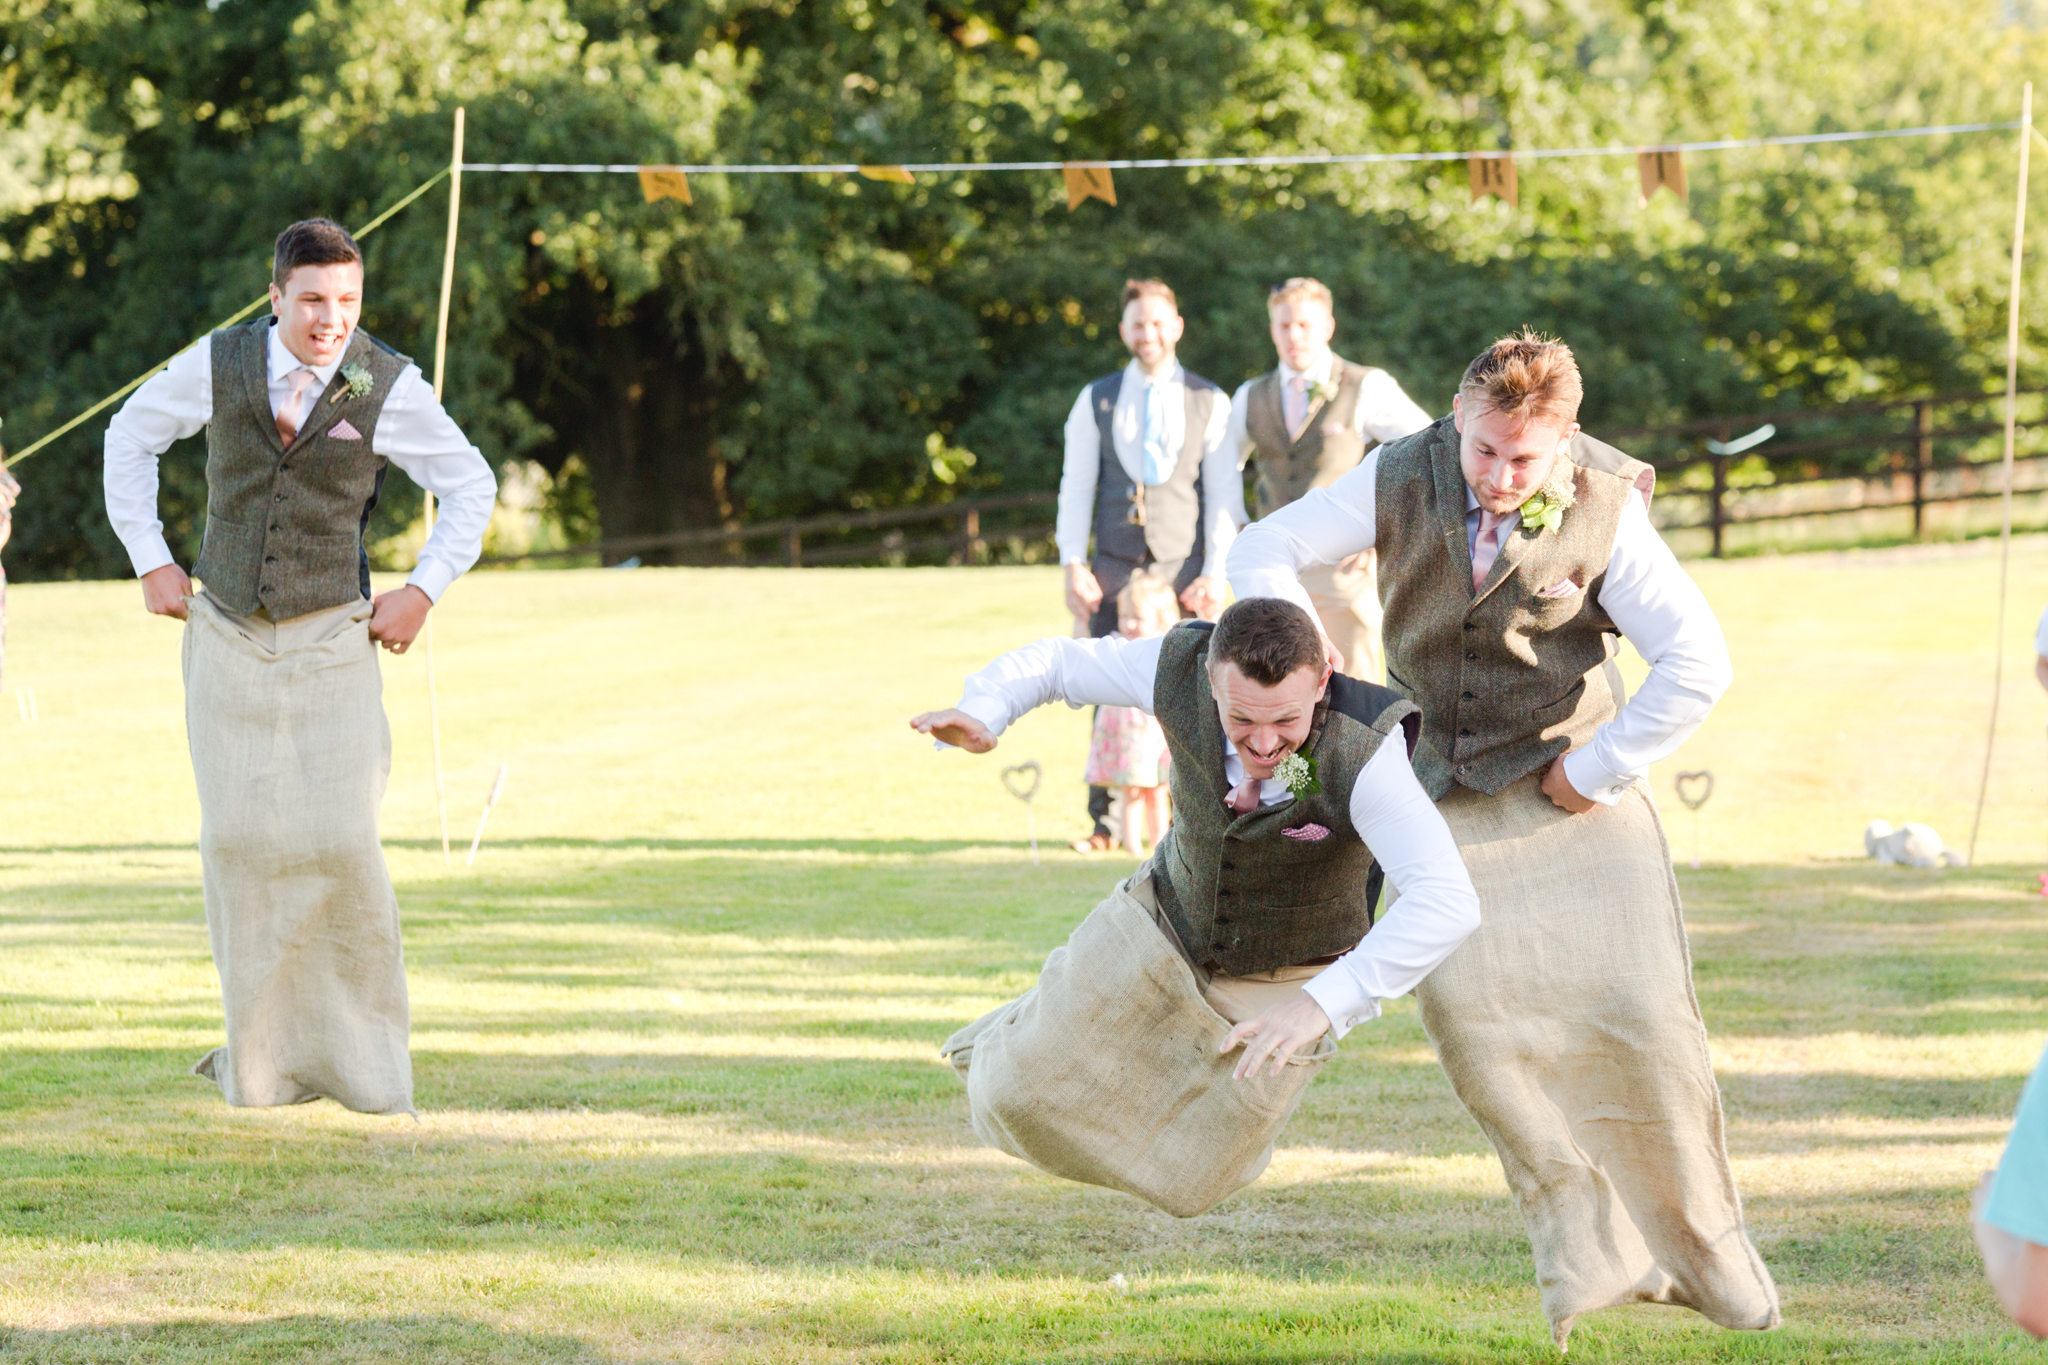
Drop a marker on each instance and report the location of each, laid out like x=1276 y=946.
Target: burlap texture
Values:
x=1106 y=1072
x=291 y=750
x=1569 y=1029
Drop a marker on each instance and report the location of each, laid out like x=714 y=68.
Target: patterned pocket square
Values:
x=342 y=431
x=1310 y=833
x=1563 y=588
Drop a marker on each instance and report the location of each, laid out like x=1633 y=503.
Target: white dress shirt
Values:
x=1438 y=908
x=1385 y=412
x=1646 y=593
x=1222 y=485
x=413 y=431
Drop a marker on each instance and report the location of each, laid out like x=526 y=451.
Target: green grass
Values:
x=675 y=1033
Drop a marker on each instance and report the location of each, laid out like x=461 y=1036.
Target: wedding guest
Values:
x=1128 y=749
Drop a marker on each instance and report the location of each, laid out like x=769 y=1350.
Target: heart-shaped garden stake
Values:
x=1015 y=785
x=1694 y=789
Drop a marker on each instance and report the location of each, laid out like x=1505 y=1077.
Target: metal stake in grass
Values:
x=25 y=702
x=1704 y=781
x=497 y=790
x=1012 y=782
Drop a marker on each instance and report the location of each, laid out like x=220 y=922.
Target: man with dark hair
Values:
x=1568 y=1023
x=1148 y=477
x=1286 y=790
x=283 y=698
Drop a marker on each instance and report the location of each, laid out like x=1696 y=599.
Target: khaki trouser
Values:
x=1347 y=602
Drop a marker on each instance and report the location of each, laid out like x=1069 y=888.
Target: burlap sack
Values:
x=1569 y=1028
x=1106 y=1071
x=291 y=750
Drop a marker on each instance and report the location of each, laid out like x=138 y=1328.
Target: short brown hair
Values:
x=1268 y=638
x=1301 y=287
x=316 y=241
x=1528 y=377
x=1148 y=289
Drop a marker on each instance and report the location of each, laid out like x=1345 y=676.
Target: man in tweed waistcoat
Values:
x=1513 y=551
x=283 y=699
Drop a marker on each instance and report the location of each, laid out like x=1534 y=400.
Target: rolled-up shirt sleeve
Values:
x=1078 y=477
x=1437 y=907
x=1321 y=527
x=416 y=433
x=1222 y=491
x=174 y=403
x=1106 y=671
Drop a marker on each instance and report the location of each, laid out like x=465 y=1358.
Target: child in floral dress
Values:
x=1128 y=750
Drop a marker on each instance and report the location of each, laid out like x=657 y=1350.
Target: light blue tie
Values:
x=1158 y=464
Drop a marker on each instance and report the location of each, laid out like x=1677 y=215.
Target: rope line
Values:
x=1295 y=159
x=150 y=373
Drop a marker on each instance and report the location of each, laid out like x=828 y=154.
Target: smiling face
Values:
x=317 y=310
x=1504 y=464
x=1267 y=723
x=1151 y=328
x=1302 y=328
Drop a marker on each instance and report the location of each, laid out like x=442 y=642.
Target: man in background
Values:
x=1311 y=420
x=1149 y=476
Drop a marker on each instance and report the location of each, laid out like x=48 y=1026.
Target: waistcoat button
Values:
x=1464 y=734
x=270 y=559
x=1462 y=696
x=1470 y=654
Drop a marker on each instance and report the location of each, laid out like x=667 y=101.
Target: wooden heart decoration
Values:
x=1013 y=779
x=1701 y=782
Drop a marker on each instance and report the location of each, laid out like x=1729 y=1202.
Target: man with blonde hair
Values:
x=1310 y=420
x=1568 y=1023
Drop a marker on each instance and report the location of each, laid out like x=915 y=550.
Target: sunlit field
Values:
x=675 y=1031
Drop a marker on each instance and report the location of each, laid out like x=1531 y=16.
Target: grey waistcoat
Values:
x=1172 y=511
x=1506 y=680
x=1330 y=446
x=1243 y=894
x=284 y=525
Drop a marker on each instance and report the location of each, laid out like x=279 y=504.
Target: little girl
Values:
x=1129 y=747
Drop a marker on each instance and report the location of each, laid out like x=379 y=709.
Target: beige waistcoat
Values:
x=1329 y=446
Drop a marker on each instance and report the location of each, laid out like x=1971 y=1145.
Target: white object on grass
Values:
x=1911 y=845
x=497 y=790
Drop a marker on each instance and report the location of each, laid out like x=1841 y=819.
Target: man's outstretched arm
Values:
x=1109 y=671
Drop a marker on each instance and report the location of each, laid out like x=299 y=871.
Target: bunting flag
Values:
x=1661 y=170
x=894 y=174
x=1088 y=180
x=664 y=182
x=1494 y=175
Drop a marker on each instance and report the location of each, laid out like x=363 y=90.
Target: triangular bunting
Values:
x=1087 y=180
x=1493 y=175
x=894 y=174
x=1661 y=171
x=664 y=182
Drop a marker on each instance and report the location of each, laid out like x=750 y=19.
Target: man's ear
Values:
x=276 y=298
x=1458 y=413
x=1323 y=687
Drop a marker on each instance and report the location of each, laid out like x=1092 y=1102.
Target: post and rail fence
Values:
x=1854 y=473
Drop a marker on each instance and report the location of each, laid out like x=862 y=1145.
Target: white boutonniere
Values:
x=1558 y=493
x=358 y=379
x=1297 y=772
x=1322 y=391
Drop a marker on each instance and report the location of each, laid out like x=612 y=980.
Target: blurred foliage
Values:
x=796 y=343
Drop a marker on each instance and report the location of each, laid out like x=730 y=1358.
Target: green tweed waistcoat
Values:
x=1286 y=883
x=1329 y=447
x=1507 y=680
x=284 y=524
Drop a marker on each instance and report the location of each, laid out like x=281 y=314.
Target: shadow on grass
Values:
x=306 y=1337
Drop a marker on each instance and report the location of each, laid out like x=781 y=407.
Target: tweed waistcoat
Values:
x=1243 y=894
x=1171 y=529
x=284 y=524
x=1329 y=448
x=1507 y=680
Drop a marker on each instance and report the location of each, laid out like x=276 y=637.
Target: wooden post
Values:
x=970 y=535
x=1718 y=513
x=440 y=374
x=1923 y=456
x=796 y=547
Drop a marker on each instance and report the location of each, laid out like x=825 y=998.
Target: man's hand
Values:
x=164 y=591
x=1560 y=790
x=1279 y=1033
x=1204 y=597
x=396 y=617
x=956 y=728
x=1084 y=594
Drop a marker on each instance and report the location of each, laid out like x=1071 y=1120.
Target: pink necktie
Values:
x=1486 y=548
x=1244 y=797
x=1297 y=406
x=288 y=415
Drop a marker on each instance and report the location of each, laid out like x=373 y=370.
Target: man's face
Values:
x=1267 y=723
x=1504 y=464
x=1302 y=329
x=1151 y=328
x=317 y=310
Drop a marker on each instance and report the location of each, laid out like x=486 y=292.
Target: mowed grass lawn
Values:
x=675 y=1032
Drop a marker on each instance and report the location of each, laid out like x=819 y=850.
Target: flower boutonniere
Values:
x=358 y=379
x=1322 y=391
x=1298 y=772
x=1548 y=507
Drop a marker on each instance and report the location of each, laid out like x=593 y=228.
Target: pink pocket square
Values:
x=342 y=431
x=1563 y=588
x=1310 y=833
